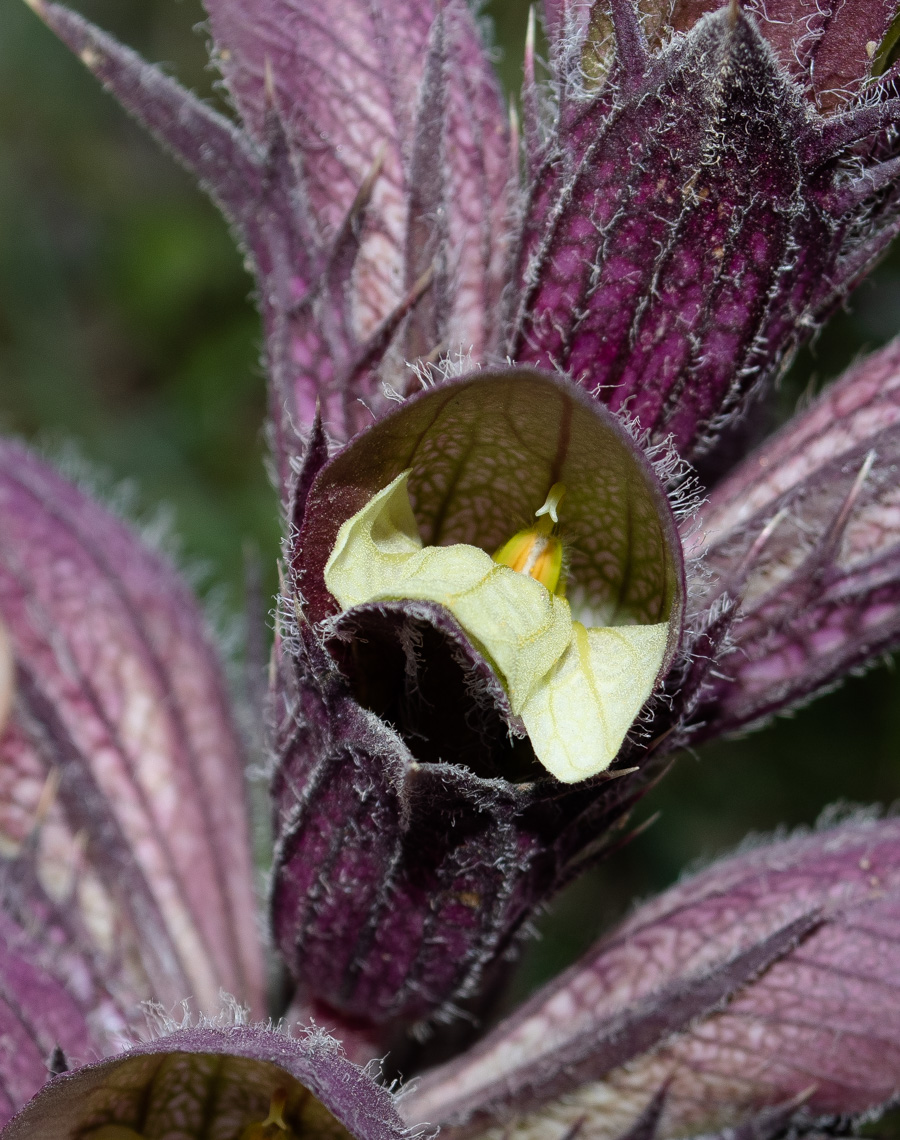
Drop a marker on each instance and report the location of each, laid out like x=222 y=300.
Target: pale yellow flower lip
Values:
x=483 y=453
x=576 y=690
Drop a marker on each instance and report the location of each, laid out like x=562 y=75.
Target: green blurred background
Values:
x=127 y=329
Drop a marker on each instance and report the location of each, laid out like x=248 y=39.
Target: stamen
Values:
x=538 y=551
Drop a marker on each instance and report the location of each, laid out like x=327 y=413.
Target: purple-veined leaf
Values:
x=817 y=1023
x=806 y=535
x=693 y=221
x=123 y=773
x=846 y=48
x=344 y=81
x=347 y=81
x=828 y=48
x=656 y=271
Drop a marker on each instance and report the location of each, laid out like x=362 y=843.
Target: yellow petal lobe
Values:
x=578 y=718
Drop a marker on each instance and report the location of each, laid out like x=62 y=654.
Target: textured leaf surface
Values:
x=122 y=771
x=821 y=1018
x=657 y=276
x=347 y=80
x=846 y=47
x=807 y=532
x=826 y=47
x=689 y=225
x=198 y=1083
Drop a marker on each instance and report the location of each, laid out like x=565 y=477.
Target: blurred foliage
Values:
x=127 y=326
x=125 y=319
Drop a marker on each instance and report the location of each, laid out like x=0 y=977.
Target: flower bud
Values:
x=691 y=220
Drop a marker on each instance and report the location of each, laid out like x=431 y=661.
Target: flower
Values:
x=709 y=183
x=557 y=674
x=555 y=671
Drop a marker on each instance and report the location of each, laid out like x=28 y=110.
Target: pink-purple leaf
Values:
x=599 y=1050
x=125 y=788
x=819 y=1026
x=828 y=48
x=806 y=535
x=347 y=81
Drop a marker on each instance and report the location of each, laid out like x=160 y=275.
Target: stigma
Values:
x=538 y=550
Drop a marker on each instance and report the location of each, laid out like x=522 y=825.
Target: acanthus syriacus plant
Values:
x=492 y=360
